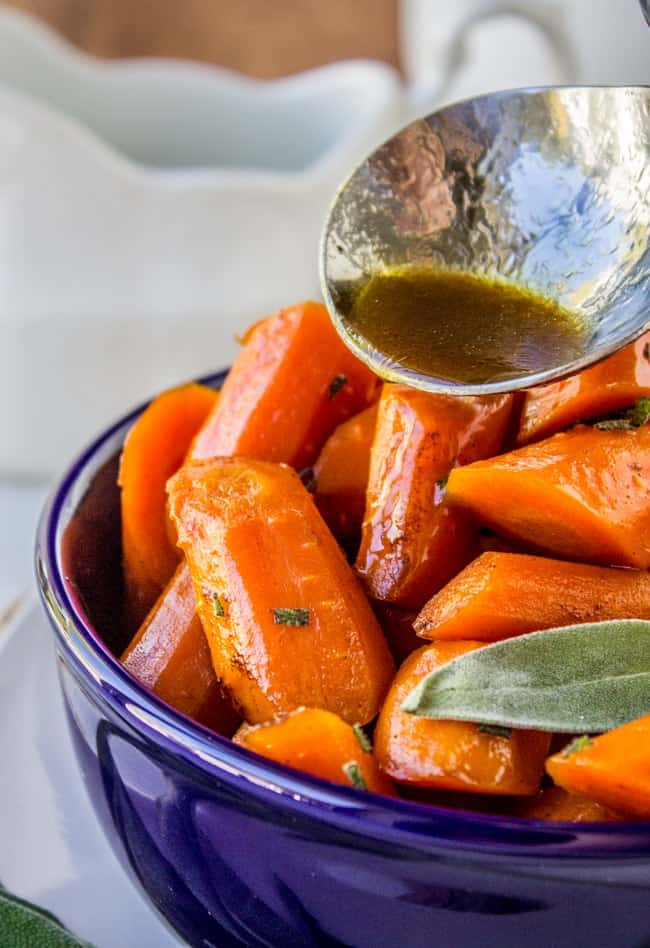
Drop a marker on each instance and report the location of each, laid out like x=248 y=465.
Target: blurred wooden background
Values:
x=264 y=38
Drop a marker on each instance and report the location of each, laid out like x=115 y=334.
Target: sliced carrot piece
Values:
x=452 y=755
x=154 y=449
x=340 y=474
x=286 y=619
x=554 y=803
x=612 y=769
x=169 y=654
x=320 y=743
x=292 y=384
x=613 y=384
x=583 y=494
x=503 y=594
x=412 y=541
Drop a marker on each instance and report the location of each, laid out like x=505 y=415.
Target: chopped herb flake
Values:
x=497 y=730
x=336 y=385
x=577 y=744
x=291 y=616
x=217 y=605
x=613 y=424
x=639 y=414
x=362 y=737
x=634 y=417
x=353 y=772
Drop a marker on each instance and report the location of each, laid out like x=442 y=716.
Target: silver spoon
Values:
x=547 y=189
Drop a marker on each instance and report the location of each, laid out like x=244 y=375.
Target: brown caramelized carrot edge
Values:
x=613 y=769
x=605 y=388
x=169 y=654
x=583 y=494
x=452 y=755
x=319 y=743
x=504 y=594
x=412 y=542
x=286 y=619
x=154 y=449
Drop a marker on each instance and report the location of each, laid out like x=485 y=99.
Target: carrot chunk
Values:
x=340 y=474
x=292 y=384
x=412 y=541
x=583 y=494
x=613 y=384
x=169 y=654
x=154 y=449
x=504 y=594
x=286 y=620
x=452 y=755
x=553 y=803
x=612 y=769
x=320 y=743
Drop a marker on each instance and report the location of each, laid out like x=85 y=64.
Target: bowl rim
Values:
x=408 y=823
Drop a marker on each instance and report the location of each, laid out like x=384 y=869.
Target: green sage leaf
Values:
x=22 y=923
x=586 y=678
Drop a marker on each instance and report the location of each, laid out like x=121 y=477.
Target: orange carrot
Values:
x=286 y=620
x=613 y=384
x=154 y=449
x=503 y=594
x=553 y=803
x=320 y=743
x=612 y=769
x=583 y=494
x=169 y=654
x=412 y=542
x=340 y=474
x=292 y=384
x=452 y=755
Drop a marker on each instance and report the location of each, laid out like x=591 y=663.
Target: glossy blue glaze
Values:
x=235 y=850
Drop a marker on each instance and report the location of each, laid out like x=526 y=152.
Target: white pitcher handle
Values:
x=450 y=45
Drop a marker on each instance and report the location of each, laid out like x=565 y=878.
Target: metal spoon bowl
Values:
x=547 y=189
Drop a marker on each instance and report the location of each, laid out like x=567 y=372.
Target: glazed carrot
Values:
x=583 y=494
x=452 y=755
x=503 y=594
x=613 y=384
x=412 y=542
x=169 y=654
x=321 y=744
x=553 y=803
x=340 y=474
x=154 y=449
x=286 y=620
x=612 y=769
x=292 y=384
x=397 y=625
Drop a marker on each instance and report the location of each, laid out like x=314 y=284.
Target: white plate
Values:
x=53 y=851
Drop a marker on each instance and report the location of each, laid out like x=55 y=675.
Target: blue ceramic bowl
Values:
x=235 y=850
